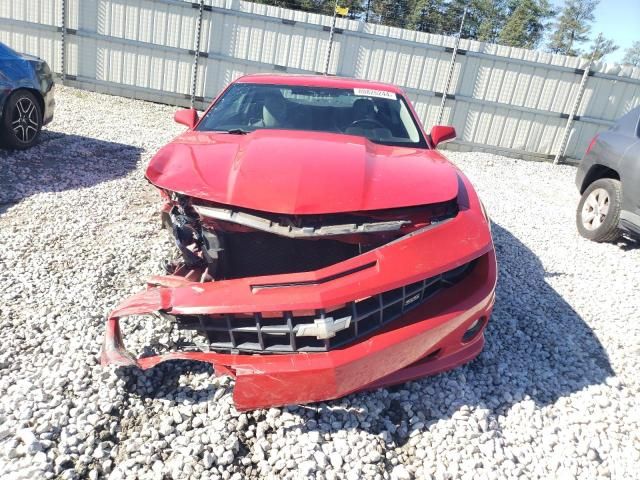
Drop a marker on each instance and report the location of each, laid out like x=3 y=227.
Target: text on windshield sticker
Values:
x=369 y=92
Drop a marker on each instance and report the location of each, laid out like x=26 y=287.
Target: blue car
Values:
x=26 y=98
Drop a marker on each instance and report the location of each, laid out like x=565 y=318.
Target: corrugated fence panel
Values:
x=149 y=21
x=145 y=44
x=43 y=43
x=499 y=97
x=609 y=99
x=44 y=12
x=30 y=26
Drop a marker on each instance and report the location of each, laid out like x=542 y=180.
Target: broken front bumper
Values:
x=430 y=338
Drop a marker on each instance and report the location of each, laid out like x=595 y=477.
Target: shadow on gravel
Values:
x=164 y=381
x=61 y=162
x=537 y=346
x=5 y=206
x=627 y=242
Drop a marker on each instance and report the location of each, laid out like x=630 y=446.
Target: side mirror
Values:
x=442 y=133
x=187 y=116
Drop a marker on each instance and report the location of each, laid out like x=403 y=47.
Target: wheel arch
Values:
x=596 y=172
x=36 y=93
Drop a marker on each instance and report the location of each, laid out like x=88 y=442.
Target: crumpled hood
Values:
x=300 y=172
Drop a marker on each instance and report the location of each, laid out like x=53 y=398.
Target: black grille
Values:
x=254 y=254
x=251 y=334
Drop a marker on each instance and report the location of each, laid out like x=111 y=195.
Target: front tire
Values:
x=22 y=120
x=598 y=214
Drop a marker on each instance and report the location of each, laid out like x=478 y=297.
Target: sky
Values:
x=618 y=20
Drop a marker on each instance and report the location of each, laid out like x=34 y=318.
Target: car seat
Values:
x=274 y=111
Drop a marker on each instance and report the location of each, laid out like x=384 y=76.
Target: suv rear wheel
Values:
x=22 y=120
x=598 y=212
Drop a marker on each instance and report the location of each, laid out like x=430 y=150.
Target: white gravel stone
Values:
x=554 y=393
x=399 y=472
x=336 y=460
x=226 y=458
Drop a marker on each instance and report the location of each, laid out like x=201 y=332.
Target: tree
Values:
x=526 y=24
x=427 y=16
x=572 y=27
x=452 y=16
x=491 y=16
x=453 y=11
x=305 y=5
x=632 y=54
x=317 y=6
x=390 y=12
x=601 y=46
x=518 y=23
x=483 y=22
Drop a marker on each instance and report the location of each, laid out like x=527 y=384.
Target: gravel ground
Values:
x=553 y=395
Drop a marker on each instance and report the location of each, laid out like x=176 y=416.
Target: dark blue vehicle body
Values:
x=25 y=72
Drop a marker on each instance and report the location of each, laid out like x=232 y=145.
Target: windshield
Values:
x=381 y=116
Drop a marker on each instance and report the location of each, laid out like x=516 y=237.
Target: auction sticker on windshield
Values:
x=369 y=92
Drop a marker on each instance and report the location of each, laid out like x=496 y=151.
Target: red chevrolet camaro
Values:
x=325 y=246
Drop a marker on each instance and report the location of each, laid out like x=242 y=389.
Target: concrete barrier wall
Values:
x=502 y=99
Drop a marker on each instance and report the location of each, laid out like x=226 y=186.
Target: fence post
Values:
x=574 y=111
x=63 y=33
x=196 y=55
x=452 y=65
x=333 y=27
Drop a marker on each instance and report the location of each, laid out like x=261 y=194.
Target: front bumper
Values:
x=49 y=105
x=424 y=341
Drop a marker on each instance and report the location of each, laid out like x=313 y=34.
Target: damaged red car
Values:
x=325 y=246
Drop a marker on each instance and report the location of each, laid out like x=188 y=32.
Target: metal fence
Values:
x=502 y=99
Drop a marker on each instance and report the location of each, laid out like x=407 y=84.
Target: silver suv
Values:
x=609 y=180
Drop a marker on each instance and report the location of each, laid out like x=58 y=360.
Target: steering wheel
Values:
x=369 y=121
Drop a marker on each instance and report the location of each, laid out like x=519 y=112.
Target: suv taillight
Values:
x=591 y=144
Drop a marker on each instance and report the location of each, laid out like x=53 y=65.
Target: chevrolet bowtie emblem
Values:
x=322 y=328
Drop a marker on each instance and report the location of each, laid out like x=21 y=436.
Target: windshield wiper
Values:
x=238 y=131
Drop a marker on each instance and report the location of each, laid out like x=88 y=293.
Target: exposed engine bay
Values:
x=220 y=243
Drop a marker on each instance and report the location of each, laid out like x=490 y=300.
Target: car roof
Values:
x=326 y=81
x=8 y=53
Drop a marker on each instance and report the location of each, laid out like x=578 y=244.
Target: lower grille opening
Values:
x=474 y=329
x=287 y=332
